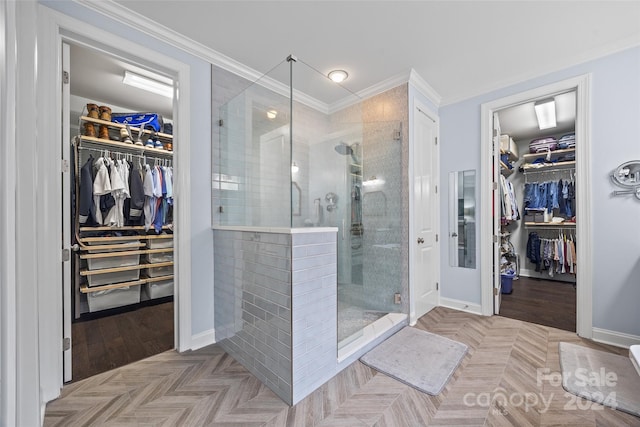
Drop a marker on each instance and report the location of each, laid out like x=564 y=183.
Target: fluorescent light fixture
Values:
x=148 y=84
x=373 y=182
x=546 y=113
x=338 y=75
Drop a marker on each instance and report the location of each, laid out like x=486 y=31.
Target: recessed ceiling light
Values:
x=338 y=75
x=272 y=114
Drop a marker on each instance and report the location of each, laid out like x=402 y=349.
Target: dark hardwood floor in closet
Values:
x=545 y=302
x=105 y=343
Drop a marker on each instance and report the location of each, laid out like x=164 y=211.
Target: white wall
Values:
x=615 y=139
x=200 y=119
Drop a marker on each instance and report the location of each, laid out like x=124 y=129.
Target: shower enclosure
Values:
x=307 y=213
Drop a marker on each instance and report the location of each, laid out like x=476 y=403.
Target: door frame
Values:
x=53 y=29
x=584 y=298
x=417 y=104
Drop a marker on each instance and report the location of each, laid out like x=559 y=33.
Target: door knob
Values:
x=420 y=240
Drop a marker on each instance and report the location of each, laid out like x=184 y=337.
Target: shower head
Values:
x=344 y=149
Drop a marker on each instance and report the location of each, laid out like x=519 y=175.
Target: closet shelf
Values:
x=555 y=153
x=120 y=146
x=163 y=136
x=528 y=168
x=120 y=238
x=125 y=228
x=550 y=224
x=125 y=253
x=504 y=169
x=86 y=289
x=126 y=268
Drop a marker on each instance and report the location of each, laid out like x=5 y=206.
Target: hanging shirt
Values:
x=101 y=187
x=149 y=199
x=136 y=191
x=117 y=188
x=86 y=206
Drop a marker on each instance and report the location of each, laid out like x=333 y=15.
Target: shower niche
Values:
x=308 y=227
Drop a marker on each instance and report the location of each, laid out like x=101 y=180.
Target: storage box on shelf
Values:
x=159 y=289
x=112 y=298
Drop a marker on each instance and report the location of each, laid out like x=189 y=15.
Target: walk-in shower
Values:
x=308 y=218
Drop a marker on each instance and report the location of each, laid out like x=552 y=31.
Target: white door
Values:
x=425 y=213
x=497 y=294
x=67 y=283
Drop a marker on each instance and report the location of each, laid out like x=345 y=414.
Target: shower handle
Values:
x=420 y=240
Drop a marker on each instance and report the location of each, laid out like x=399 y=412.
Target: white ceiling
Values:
x=461 y=48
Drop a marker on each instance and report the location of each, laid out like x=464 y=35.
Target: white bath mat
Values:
x=417 y=358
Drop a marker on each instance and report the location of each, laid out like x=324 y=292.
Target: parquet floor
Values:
x=502 y=381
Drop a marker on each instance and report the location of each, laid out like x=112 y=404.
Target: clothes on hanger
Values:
x=509 y=204
x=118 y=193
x=556 y=255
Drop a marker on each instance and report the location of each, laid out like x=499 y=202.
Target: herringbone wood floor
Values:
x=497 y=384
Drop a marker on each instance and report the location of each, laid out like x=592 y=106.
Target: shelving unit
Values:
x=115 y=262
x=529 y=166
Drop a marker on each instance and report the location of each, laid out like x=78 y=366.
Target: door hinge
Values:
x=66 y=344
x=220 y=122
x=397 y=298
x=495 y=186
x=66 y=255
x=436 y=189
x=495 y=132
x=436 y=237
x=495 y=292
x=495 y=238
x=436 y=140
x=221 y=209
x=437 y=286
x=65 y=77
x=64 y=166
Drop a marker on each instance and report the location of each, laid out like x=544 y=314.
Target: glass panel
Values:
x=462 y=219
x=254 y=154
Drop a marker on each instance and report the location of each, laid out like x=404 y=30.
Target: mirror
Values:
x=462 y=219
x=295 y=199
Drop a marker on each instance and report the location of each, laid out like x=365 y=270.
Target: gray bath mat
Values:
x=606 y=378
x=417 y=358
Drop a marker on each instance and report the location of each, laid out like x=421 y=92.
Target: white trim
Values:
x=203 y=339
x=466 y=306
x=582 y=84
x=8 y=298
x=424 y=88
x=278 y=230
x=414 y=105
x=618 y=339
x=52 y=25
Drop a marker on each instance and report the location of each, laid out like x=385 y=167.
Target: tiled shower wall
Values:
x=275 y=306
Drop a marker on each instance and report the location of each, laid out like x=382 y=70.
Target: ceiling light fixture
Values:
x=294 y=167
x=338 y=75
x=148 y=84
x=272 y=114
x=546 y=113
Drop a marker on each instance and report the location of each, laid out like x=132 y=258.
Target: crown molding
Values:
x=133 y=19
x=424 y=88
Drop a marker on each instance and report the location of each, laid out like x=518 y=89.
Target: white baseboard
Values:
x=203 y=339
x=566 y=277
x=618 y=339
x=469 y=307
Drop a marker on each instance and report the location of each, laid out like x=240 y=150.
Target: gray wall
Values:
x=615 y=110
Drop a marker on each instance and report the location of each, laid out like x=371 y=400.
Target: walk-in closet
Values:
x=538 y=212
x=120 y=213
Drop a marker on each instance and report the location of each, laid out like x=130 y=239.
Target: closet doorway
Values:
x=537 y=255
x=508 y=269
x=117 y=211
